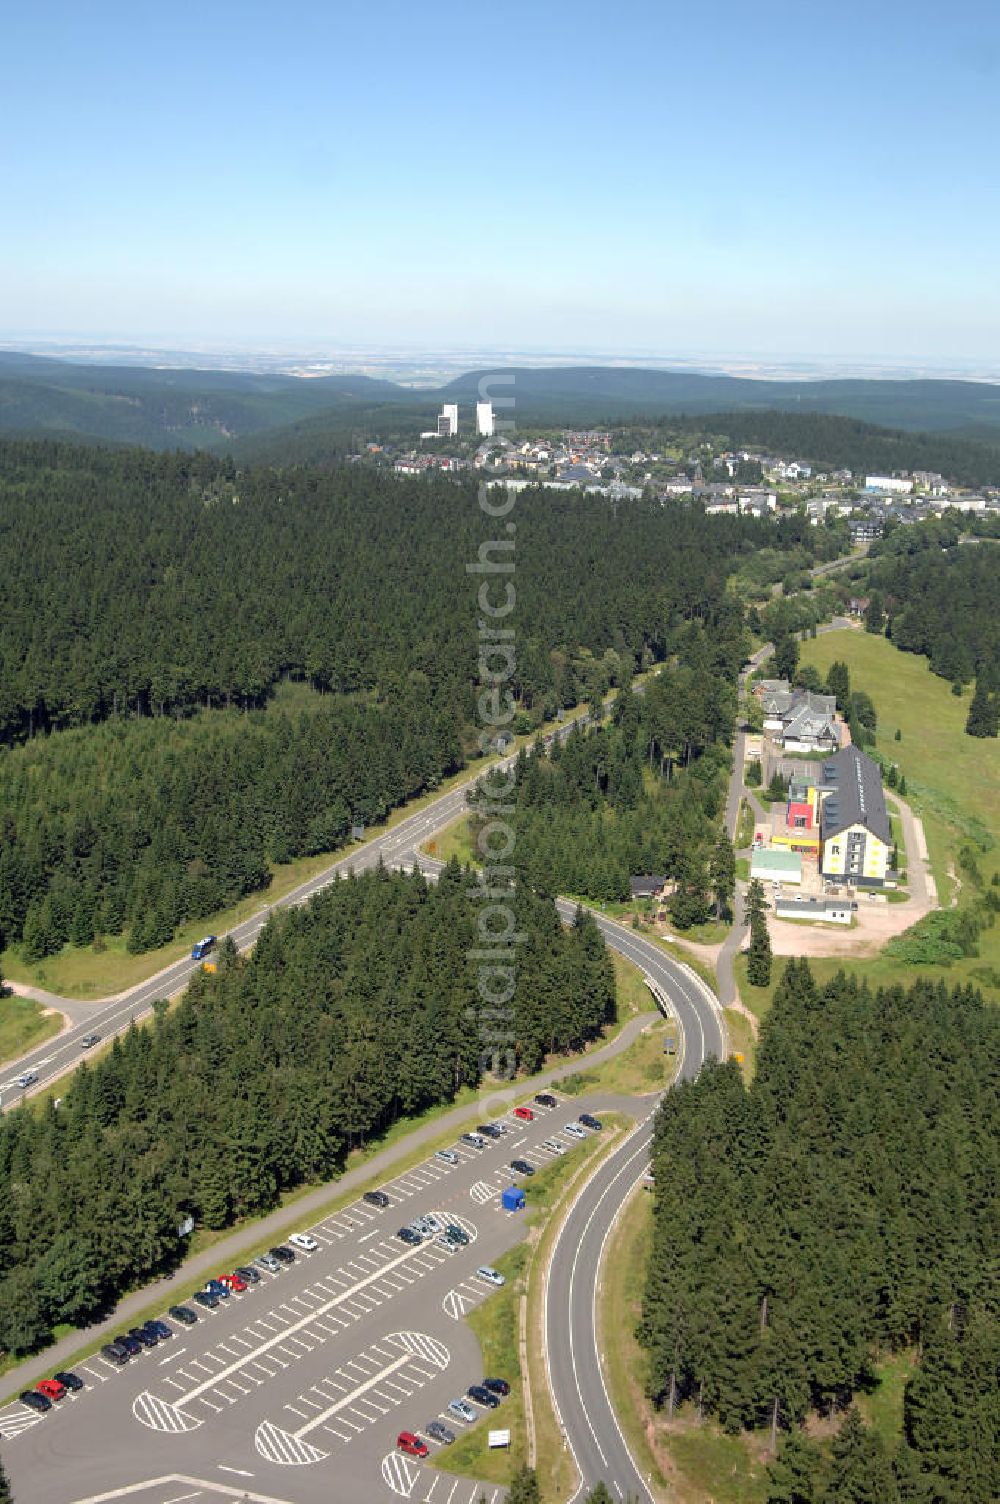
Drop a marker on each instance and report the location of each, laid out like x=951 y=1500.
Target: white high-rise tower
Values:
x=484 y=419
x=448 y=420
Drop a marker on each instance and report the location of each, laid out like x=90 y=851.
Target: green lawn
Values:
x=883 y=1407
x=23 y=1024
x=953 y=784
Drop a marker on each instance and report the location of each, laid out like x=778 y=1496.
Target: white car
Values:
x=447 y=1156
x=554 y=1146
x=304 y=1241
x=428 y=1226
x=491 y=1275
x=574 y=1130
x=463 y=1410
x=448 y=1244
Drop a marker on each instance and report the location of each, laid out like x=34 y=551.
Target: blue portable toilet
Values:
x=512 y=1199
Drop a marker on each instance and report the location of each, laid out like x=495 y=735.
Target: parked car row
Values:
x=486 y=1396
x=449 y=1235
x=49 y=1392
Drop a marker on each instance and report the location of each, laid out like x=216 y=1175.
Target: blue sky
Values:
x=716 y=177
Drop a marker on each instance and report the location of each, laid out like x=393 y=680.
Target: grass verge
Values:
x=496 y=1325
x=644 y=1067
x=23 y=1025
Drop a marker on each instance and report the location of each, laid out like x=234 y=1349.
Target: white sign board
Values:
x=499 y=1438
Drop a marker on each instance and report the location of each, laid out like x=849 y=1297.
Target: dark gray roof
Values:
x=645 y=887
x=855 y=797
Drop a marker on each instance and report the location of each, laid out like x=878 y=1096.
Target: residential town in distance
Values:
x=727 y=482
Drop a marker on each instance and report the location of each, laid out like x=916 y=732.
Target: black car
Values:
x=376 y=1198
x=483 y=1396
x=522 y=1167
x=589 y=1121
x=407 y=1235
x=282 y=1254
x=160 y=1328
x=183 y=1314
x=248 y=1275
x=70 y=1381
x=144 y=1335
x=115 y=1352
x=35 y=1401
x=131 y=1344
x=206 y=1298
x=488 y=1130
x=497 y=1386
x=456 y=1234
x=545 y=1099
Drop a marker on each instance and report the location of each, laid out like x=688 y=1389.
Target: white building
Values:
x=448 y=420
x=485 y=422
x=888 y=483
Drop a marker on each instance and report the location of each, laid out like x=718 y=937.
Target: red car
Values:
x=525 y=1114
x=52 y=1389
x=411 y=1445
x=233 y=1282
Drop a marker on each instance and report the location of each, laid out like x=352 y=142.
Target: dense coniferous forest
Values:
x=157 y=584
x=639 y=795
x=351 y=1011
x=147 y=824
x=939 y=597
x=153 y=598
x=844 y=1203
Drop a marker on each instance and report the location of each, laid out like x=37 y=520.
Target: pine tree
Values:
x=6 y=1497
x=860 y=1471
x=838 y=683
x=984 y=712
x=722 y=873
x=524 y=1487
x=794 y=1475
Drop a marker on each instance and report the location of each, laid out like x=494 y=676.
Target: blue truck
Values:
x=202 y=947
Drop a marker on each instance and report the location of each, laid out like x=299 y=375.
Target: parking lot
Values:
x=308 y=1375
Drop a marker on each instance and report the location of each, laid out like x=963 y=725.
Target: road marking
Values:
x=161 y=1415
x=284 y=1335
x=399 y=1473
x=240 y=1472
x=171 y=1356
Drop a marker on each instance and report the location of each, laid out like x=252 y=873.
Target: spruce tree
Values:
x=524 y=1487
x=984 y=712
x=722 y=872
x=6 y=1497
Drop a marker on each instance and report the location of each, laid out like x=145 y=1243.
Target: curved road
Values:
x=583 y=1406
x=589 y=1423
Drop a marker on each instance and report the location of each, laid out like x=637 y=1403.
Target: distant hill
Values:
x=916 y=404
x=163 y=409
x=244 y=410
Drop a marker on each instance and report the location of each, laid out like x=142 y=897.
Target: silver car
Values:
x=447 y=1156
x=463 y=1410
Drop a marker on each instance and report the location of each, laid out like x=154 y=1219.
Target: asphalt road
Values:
x=296 y=1389
x=111 y=1015
x=573 y=1343
x=59 y=1456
